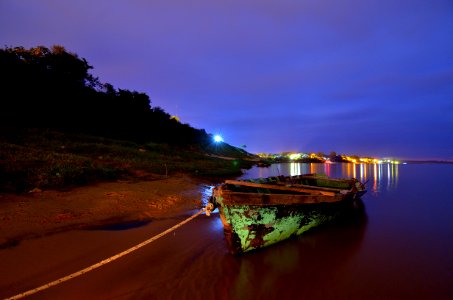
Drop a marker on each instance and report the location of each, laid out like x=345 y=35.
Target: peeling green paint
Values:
x=257 y=226
x=253 y=226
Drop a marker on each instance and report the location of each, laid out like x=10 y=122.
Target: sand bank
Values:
x=45 y=212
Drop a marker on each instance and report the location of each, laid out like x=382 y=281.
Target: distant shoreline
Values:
x=428 y=161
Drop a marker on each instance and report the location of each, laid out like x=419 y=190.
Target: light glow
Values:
x=218 y=138
x=294 y=156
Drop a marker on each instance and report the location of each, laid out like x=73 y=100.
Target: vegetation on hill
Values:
x=60 y=126
x=52 y=88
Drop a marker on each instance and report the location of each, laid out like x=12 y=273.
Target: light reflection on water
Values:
x=377 y=177
x=399 y=248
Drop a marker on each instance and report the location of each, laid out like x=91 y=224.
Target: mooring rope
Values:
x=103 y=262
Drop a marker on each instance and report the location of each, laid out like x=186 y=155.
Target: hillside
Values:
x=44 y=158
x=60 y=126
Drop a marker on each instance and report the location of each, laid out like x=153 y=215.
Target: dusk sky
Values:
x=364 y=77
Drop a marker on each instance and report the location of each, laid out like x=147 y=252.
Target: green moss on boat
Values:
x=261 y=212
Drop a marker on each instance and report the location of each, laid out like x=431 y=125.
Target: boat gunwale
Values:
x=231 y=198
x=318 y=177
x=285 y=188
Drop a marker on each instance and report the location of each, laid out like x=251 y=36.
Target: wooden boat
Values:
x=260 y=212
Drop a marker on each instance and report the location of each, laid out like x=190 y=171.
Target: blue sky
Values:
x=358 y=77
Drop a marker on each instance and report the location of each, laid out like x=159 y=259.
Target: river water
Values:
x=400 y=248
x=403 y=248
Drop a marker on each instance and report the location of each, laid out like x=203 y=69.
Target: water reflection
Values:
x=378 y=177
x=294 y=268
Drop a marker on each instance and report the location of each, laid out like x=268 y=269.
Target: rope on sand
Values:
x=103 y=262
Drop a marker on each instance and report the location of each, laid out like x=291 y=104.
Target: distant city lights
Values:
x=300 y=156
x=294 y=156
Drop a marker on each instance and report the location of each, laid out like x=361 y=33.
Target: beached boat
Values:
x=260 y=212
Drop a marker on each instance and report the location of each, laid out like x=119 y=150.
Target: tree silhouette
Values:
x=53 y=88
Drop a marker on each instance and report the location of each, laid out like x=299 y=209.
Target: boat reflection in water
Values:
x=314 y=257
x=377 y=176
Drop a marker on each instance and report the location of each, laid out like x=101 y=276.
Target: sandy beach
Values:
x=44 y=212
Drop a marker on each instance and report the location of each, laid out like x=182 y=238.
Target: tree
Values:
x=54 y=89
x=332 y=155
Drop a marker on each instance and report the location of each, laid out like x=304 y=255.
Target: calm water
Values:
x=402 y=248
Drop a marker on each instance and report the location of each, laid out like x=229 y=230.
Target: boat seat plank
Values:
x=323 y=188
x=281 y=188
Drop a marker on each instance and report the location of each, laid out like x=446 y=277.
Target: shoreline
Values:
x=47 y=212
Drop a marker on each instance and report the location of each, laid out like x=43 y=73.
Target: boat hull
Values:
x=252 y=226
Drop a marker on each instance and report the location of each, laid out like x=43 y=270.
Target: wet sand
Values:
x=191 y=263
x=46 y=235
x=41 y=213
